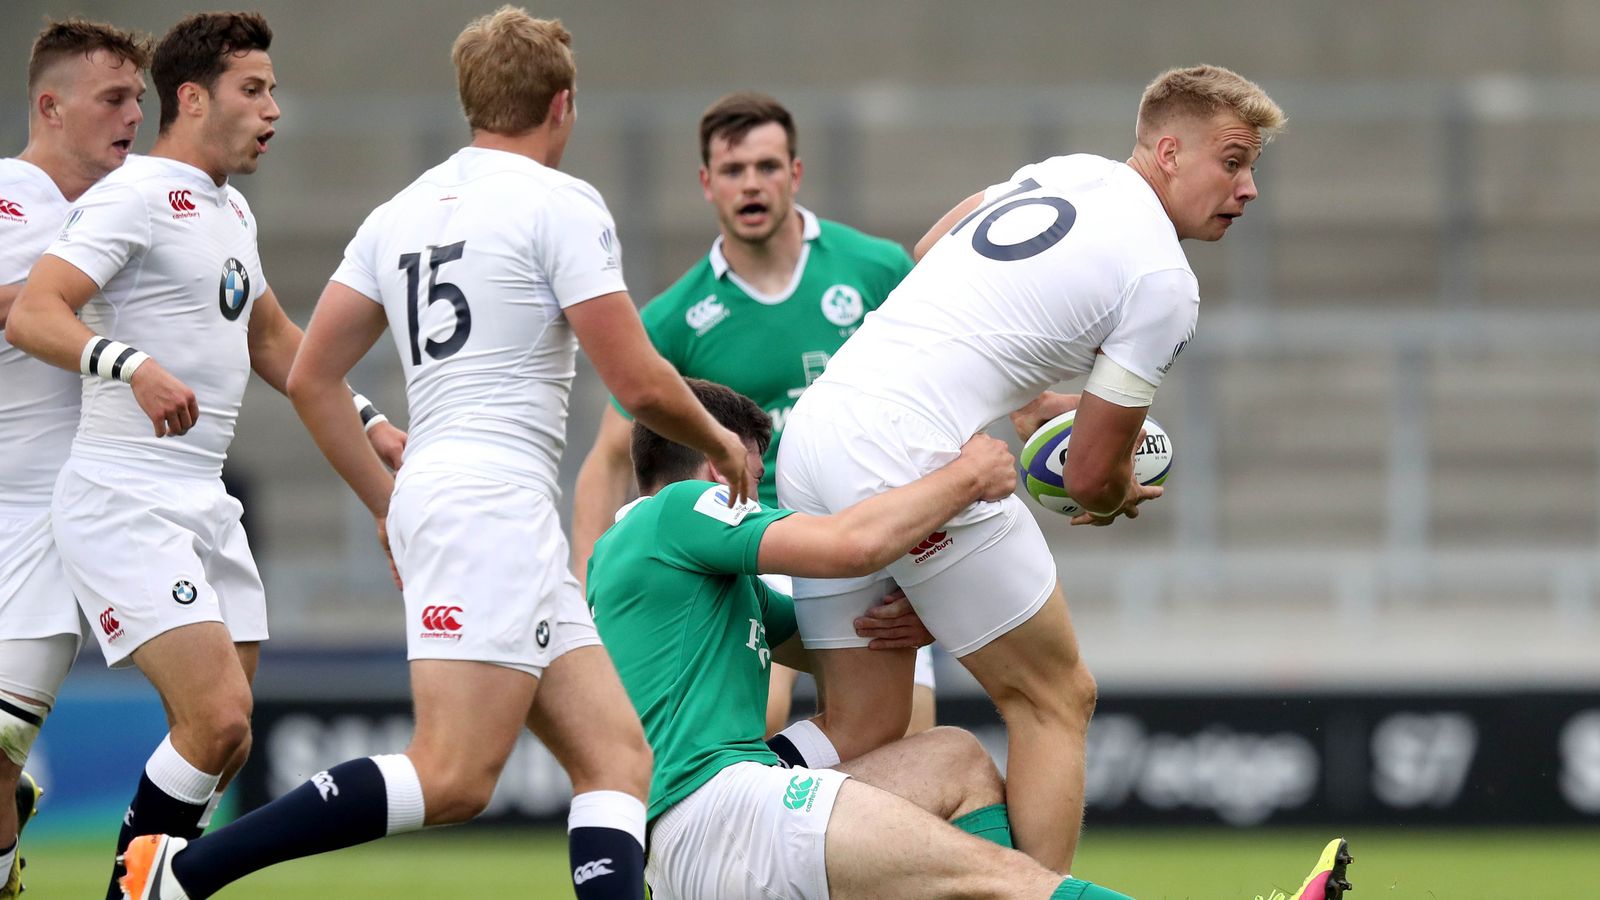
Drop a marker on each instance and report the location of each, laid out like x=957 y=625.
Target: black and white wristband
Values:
x=110 y=359
x=370 y=417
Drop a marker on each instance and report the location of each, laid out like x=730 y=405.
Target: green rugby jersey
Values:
x=713 y=325
x=674 y=593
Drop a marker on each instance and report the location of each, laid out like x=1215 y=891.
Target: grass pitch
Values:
x=485 y=864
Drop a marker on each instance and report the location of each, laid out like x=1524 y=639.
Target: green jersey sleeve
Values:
x=701 y=533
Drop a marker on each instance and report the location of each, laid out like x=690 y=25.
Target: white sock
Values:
x=175 y=776
x=608 y=809
x=814 y=746
x=404 y=790
x=6 y=859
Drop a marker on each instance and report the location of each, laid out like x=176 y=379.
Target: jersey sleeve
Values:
x=702 y=534
x=577 y=247
x=777 y=614
x=108 y=227
x=357 y=270
x=1158 y=319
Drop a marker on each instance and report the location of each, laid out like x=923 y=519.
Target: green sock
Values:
x=1078 y=889
x=991 y=823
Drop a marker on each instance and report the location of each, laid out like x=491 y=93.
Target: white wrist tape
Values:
x=370 y=417
x=110 y=359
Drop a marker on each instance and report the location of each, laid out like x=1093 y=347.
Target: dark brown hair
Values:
x=658 y=462
x=70 y=37
x=196 y=51
x=732 y=117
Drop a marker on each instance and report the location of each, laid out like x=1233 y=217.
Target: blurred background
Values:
x=1372 y=591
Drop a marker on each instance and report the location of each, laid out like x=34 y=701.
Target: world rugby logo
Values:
x=234 y=291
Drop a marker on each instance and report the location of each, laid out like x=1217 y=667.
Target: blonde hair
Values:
x=509 y=66
x=1204 y=91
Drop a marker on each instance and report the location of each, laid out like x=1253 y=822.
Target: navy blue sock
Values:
x=607 y=864
x=342 y=807
x=153 y=811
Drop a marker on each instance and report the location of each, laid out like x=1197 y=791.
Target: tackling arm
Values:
x=8 y=295
x=651 y=390
x=603 y=486
x=875 y=532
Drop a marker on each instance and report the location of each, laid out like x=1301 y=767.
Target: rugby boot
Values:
x=1327 y=879
x=28 y=794
x=148 y=862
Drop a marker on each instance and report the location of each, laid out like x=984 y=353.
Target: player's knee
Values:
x=622 y=764
x=1050 y=695
x=452 y=795
x=959 y=752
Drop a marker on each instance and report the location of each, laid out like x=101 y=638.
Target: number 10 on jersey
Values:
x=437 y=290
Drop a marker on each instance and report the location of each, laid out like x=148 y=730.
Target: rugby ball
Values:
x=1044 y=458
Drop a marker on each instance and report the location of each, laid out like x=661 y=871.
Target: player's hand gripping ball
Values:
x=1044 y=458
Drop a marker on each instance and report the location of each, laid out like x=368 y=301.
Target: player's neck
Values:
x=535 y=145
x=176 y=146
x=71 y=177
x=767 y=265
x=1147 y=168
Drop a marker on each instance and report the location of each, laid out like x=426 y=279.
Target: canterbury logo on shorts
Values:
x=801 y=792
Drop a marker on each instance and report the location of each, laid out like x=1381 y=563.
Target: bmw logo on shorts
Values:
x=234 y=291
x=542 y=633
x=184 y=593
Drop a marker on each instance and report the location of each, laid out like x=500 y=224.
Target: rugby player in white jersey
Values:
x=489 y=271
x=1072 y=266
x=159 y=259
x=84 y=90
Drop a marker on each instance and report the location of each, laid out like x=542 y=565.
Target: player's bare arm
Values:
x=604 y=482
x=8 y=296
x=1040 y=410
x=868 y=536
x=650 y=389
x=275 y=341
x=44 y=323
x=342 y=330
x=946 y=222
x=1099 y=473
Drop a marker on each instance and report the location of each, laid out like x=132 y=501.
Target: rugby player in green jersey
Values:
x=762 y=312
x=692 y=630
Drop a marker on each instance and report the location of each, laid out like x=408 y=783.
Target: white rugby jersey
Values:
x=1072 y=255
x=474 y=263
x=38 y=402
x=175 y=258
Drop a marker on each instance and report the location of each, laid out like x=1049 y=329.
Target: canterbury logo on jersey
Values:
x=11 y=209
x=930 y=545
x=182 y=203
x=592 y=869
x=705 y=315
x=441 y=620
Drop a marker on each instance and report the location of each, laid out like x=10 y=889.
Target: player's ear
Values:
x=192 y=99
x=48 y=107
x=705 y=182
x=797 y=169
x=560 y=108
x=1167 y=154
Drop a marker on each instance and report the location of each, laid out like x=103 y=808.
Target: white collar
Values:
x=810 y=230
x=628 y=507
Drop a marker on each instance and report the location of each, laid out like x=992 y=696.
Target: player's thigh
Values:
x=132 y=548
x=984 y=574
x=582 y=713
x=35 y=600
x=484 y=564
x=1037 y=663
x=31 y=673
x=752 y=832
x=882 y=847
x=468 y=715
x=195 y=668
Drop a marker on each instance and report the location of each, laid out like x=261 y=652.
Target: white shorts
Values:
x=985 y=572
x=484 y=565
x=146 y=555
x=35 y=600
x=753 y=832
x=924 y=672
